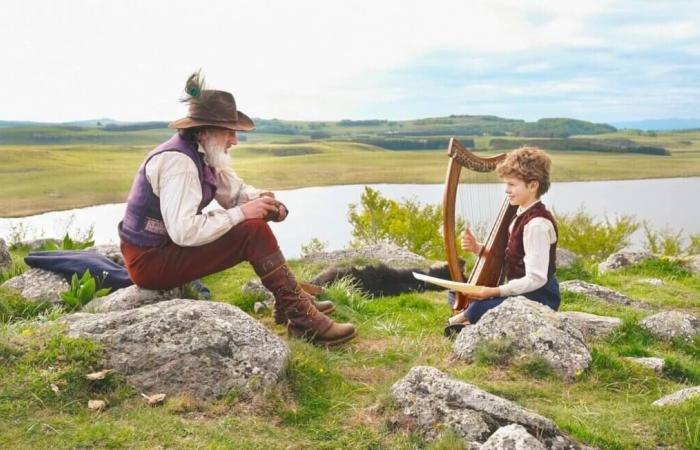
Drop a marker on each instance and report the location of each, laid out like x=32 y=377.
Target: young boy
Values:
x=532 y=241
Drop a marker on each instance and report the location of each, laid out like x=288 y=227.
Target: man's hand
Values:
x=485 y=292
x=469 y=243
x=259 y=208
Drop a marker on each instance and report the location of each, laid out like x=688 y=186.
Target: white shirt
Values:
x=175 y=180
x=538 y=236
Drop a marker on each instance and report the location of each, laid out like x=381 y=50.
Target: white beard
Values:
x=215 y=154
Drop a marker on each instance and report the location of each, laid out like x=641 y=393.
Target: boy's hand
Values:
x=469 y=243
x=485 y=292
x=259 y=208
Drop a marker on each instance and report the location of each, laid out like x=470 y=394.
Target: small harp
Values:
x=488 y=268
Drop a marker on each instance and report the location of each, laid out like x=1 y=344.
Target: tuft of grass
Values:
x=494 y=352
x=14 y=307
x=680 y=371
x=536 y=367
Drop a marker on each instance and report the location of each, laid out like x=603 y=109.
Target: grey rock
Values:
x=601 y=293
x=591 y=325
x=678 y=396
x=255 y=287
x=260 y=307
x=693 y=264
x=38 y=285
x=429 y=402
x=5 y=257
x=668 y=325
x=531 y=329
x=38 y=244
x=651 y=281
x=623 y=259
x=113 y=252
x=512 y=437
x=129 y=298
x=388 y=254
x=656 y=364
x=565 y=258
x=204 y=348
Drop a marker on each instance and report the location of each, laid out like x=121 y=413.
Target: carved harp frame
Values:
x=488 y=268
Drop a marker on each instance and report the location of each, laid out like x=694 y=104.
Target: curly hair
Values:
x=528 y=164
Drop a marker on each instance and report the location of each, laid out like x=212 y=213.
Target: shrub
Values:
x=591 y=239
x=408 y=224
x=315 y=245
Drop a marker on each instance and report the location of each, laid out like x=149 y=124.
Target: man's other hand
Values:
x=259 y=208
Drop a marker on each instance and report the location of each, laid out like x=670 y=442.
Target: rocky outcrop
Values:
x=129 y=298
x=38 y=285
x=529 y=329
x=655 y=364
x=5 y=257
x=669 y=325
x=388 y=254
x=678 y=396
x=112 y=252
x=565 y=258
x=204 y=348
x=512 y=437
x=623 y=259
x=430 y=402
x=601 y=293
x=255 y=287
x=40 y=244
x=590 y=325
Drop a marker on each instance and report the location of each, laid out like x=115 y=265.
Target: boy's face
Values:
x=520 y=193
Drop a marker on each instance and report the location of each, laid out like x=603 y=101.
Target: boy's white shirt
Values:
x=174 y=179
x=538 y=236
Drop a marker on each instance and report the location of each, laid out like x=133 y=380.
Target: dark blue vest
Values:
x=143 y=223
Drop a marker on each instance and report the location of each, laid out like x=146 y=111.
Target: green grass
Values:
x=340 y=398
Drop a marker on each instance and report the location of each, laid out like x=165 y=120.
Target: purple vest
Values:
x=515 y=251
x=143 y=225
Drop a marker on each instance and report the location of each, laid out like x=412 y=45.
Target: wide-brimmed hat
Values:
x=209 y=107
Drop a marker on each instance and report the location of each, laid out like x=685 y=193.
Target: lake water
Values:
x=321 y=212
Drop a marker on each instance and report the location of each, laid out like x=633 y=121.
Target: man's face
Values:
x=216 y=143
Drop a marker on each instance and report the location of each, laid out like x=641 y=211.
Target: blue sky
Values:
x=311 y=60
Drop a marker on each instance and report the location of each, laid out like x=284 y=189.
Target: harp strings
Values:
x=479 y=198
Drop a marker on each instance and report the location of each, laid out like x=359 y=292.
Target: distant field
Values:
x=38 y=178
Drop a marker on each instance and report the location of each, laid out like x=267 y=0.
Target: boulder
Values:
x=656 y=364
x=678 y=396
x=112 y=252
x=129 y=298
x=177 y=346
x=693 y=264
x=601 y=293
x=591 y=325
x=668 y=325
x=389 y=254
x=512 y=437
x=530 y=328
x=430 y=402
x=565 y=258
x=38 y=285
x=5 y=257
x=40 y=244
x=623 y=259
x=255 y=287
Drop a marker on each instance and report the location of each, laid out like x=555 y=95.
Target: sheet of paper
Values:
x=464 y=288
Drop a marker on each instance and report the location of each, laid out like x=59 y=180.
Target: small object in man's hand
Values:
x=276 y=215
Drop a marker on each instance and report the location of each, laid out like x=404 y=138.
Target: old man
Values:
x=167 y=240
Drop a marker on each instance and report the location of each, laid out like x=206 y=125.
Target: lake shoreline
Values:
x=79 y=205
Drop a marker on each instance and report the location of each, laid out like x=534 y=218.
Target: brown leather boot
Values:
x=303 y=319
x=324 y=306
